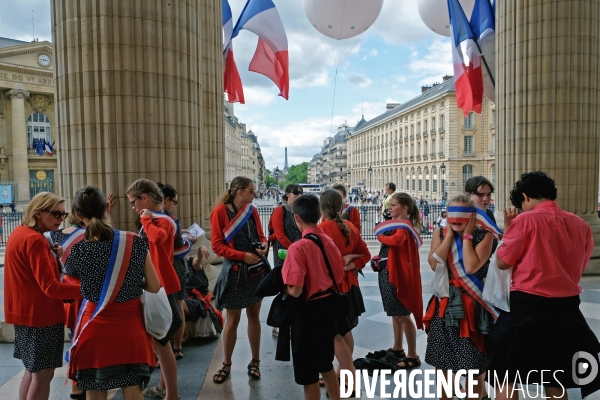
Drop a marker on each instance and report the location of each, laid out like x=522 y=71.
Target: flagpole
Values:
x=476 y=41
x=238 y=22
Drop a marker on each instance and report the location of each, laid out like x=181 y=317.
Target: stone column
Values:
x=19 y=167
x=548 y=94
x=131 y=100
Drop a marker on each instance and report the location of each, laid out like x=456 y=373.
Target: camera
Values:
x=257 y=245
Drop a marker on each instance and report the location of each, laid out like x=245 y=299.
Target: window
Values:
x=412 y=150
x=493 y=143
x=420 y=180
x=418 y=127
x=38 y=128
x=414 y=178
x=469 y=122
x=493 y=168
x=433 y=146
x=468 y=144
x=442 y=104
x=433 y=123
x=419 y=148
x=425 y=126
x=494 y=117
x=426 y=179
x=412 y=129
x=467 y=172
x=442 y=118
x=442 y=146
x=425 y=148
x=435 y=185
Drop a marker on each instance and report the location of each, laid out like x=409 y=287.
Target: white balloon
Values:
x=434 y=14
x=342 y=19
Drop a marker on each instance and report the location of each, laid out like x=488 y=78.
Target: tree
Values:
x=297 y=174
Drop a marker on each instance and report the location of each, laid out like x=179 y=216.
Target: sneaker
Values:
x=275 y=331
x=155 y=392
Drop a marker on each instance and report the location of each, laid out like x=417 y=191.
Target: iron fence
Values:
x=370 y=215
x=8 y=223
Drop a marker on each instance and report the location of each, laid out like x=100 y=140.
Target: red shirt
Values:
x=33 y=293
x=277 y=219
x=357 y=246
x=548 y=248
x=304 y=265
x=404 y=269
x=160 y=233
x=218 y=221
x=354 y=217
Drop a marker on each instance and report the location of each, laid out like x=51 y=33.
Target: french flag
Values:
x=231 y=77
x=50 y=148
x=484 y=26
x=271 y=56
x=460 y=30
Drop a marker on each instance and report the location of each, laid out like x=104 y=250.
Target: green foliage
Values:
x=297 y=174
x=269 y=181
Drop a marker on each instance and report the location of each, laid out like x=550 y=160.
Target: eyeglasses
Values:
x=174 y=201
x=57 y=214
x=247 y=190
x=297 y=192
x=133 y=202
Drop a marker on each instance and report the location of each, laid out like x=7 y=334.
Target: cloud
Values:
x=359 y=80
x=430 y=66
x=403 y=27
x=260 y=96
x=372 y=53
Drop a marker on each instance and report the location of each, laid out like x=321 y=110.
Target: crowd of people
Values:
x=318 y=253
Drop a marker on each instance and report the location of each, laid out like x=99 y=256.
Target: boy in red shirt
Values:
x=305 y=273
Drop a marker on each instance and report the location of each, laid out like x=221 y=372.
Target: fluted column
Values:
x=548 y=95
x=20 y=166
x=129 y=97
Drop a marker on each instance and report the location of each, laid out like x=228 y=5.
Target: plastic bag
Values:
x=440 y=282
x=496 y=289
x=157 y=313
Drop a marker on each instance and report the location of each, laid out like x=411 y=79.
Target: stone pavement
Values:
x=203 y=358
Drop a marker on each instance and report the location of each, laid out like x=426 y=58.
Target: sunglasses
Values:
x=57 y=214
x=297 y=192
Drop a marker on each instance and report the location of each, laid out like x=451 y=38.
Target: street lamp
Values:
x=370 y=171
x=276 y=173
x=443 y=171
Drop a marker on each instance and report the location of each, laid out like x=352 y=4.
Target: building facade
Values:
x=27 y=120
x=425 y=146
x=243 y=156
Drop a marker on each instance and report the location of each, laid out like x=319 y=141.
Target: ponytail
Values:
x=331 y=206
x=98 y=231
x=343 y=228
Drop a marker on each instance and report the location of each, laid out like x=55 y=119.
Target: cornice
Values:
x=25 y=49
x=21 y=70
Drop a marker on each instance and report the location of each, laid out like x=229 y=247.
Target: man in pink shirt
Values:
x=305 y=273
x=548 y=249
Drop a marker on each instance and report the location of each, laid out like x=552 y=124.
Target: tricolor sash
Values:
x=462 y=214
x=184 y=250
x=347 y=209
x=162 y=214
x=67 y=244
x=392 y=224
x=237 y=222
x=118 y=265
x=469 y=282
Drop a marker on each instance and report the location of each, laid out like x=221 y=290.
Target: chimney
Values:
x=447 y=77
x=435 y=84
x=391 y=106
x=425 y=88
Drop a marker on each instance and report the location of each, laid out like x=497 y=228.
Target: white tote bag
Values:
x=157 y=313
x=496 y=289
x=439 y=283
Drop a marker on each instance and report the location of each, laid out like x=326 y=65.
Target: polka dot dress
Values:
x=242 y=296
x=40 y=348
x=446 y=350
x=291 y=232
x=392 y=306
x=89 y=262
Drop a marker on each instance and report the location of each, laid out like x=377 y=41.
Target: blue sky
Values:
x=388 y=63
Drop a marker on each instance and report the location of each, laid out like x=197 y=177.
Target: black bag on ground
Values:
x=271 y=284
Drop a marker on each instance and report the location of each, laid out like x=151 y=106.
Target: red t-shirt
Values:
x=161 y=232
x=304 y=265
x=548 y=248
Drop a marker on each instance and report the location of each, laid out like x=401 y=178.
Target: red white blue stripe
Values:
x=460 y=30
x=469 y=282
x=232 y=82
x=237 y=222
x=184 y=250
x=463 y=214
x=347 y=209
x=271 y=56
x=484 y=26
x=393 y=224
x=67 y=244
x=158 y=215
x=118 y=265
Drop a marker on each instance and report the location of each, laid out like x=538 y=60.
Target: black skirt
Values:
x=40 y=348
x=541 y=333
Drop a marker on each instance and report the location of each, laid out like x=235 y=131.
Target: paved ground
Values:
x=203 y=358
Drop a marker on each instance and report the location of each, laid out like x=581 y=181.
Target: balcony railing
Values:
x=441 y=129
x=432 y=131
x=432 y=156
x=425 y=134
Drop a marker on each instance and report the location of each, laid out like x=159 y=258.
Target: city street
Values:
x=203 y=358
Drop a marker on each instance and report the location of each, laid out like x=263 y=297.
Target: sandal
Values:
x=178 y=353
x=222 y=374
x=253 y=370
x=409 y=363
x=78 y=396
x=400 y=354
x=155 y=392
